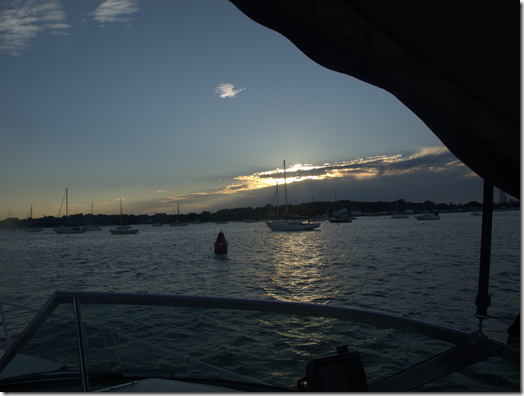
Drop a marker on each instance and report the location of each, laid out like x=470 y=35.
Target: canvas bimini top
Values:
x=456 y=65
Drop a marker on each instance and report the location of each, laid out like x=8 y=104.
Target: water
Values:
x=426 y=270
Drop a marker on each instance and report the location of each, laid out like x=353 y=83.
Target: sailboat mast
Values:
x=66 y=206
x=277 y=201
x=285 y=186
x=335 y=204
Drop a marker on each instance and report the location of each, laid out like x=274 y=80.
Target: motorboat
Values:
x=428 y=216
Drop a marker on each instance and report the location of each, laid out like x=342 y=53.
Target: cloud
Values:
x=20 y=24
x=227 y=90
x=431 y=173
x=114 y=11
x=428 y=160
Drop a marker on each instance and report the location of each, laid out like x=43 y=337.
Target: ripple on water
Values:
x=425 y=270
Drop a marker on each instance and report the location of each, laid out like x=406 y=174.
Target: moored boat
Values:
x=450 y=356
x=289 y=224
x=123 y=229
x=68 y=228
x=340 y=219
x=428 y=216
x=92 y=227
x=400 y=216
x=30 y=227
x=179 y=223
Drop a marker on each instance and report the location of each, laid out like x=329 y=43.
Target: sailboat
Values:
x=398 y=215
x=92 y=227
x=289 y=224
x=67 y=229
x=178 y=223
x=30 y=227
x=123 y=229
x=340 y=216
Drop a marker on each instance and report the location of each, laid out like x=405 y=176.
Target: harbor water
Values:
x=425 y=270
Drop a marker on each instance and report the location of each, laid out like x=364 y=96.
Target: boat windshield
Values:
x=108 y=341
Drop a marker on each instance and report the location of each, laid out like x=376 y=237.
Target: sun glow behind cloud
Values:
x=433 y=159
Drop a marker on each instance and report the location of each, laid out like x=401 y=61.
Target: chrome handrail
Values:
x=427 y=371
x=5 y=325
x=187 y=359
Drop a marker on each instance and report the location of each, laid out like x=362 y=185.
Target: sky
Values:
x=191 y=104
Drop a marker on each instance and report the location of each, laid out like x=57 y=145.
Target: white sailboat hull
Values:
x=291 y=226
x=122 y=230
x=70 y=230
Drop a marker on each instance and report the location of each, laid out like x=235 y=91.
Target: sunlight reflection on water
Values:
x=423 y=270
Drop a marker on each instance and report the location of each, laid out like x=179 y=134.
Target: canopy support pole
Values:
x=483 y=300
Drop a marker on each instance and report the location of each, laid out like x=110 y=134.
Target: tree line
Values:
x=304 y=210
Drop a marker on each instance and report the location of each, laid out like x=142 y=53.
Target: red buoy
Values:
x=221 y=244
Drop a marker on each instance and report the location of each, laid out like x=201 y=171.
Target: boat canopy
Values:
x=456 y=65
